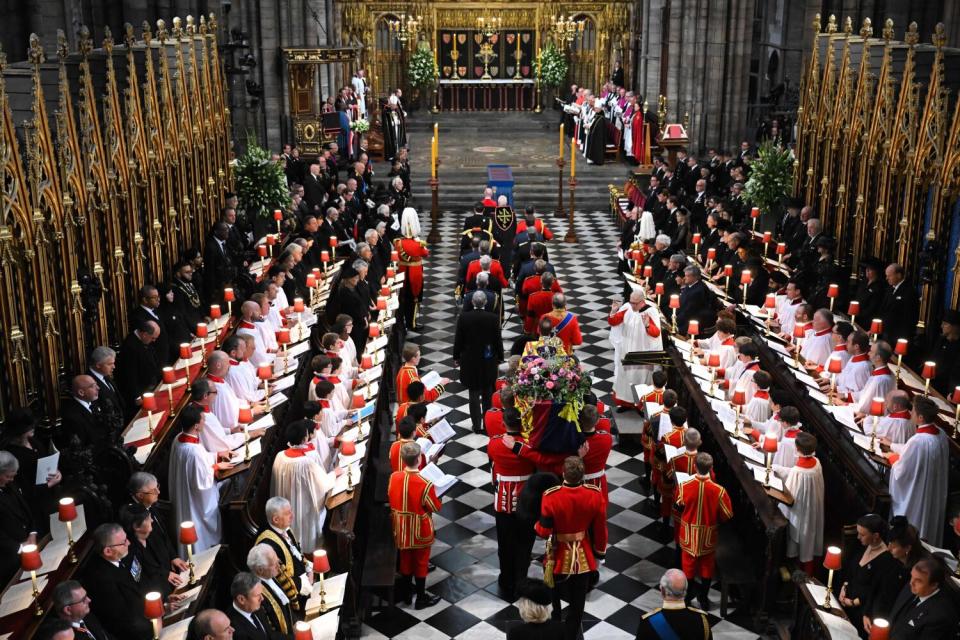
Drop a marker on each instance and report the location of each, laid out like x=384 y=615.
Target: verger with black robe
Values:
x=596 y=144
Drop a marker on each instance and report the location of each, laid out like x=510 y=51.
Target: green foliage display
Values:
x=422 y=70
x=552 y=67
x=771 y=178
x=261 y=183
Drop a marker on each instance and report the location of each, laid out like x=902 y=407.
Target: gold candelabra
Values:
x=489 y=25
x=405 y=27
x=566 y=29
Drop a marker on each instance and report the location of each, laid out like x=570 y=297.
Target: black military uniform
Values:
x=686 y=622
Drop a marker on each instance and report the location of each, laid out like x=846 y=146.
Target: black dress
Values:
x=39 y=497
x=876 y=584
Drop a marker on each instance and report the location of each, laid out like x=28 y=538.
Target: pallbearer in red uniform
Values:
x=674 y=438
x=599 y=443
x=413 y=500
x=573 y=519
x=530 y=219
x=685 y=462
x=703 y=505
x=510 y=472
x=412 y=250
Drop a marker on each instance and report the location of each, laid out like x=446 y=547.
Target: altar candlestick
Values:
x=433 y=158
x=561 y=141
x=573 y=157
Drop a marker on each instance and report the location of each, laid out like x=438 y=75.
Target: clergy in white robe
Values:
x=818 y=343
x=260 y=354
x=840 y=334
x=804 y=481
x=635 y=327
x=918 y=480
x=897 y=426
x=787 y=308
x=226 y=405
x=881 y=380
x=348 y=352
x=751 y=365
x=192 y=481
x=786 y=455
x=721 y=342
x=854 y=375
x=300 y=478
x=758 y=408
x=241 y=377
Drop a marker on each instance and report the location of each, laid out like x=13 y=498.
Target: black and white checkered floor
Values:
x=466 y=550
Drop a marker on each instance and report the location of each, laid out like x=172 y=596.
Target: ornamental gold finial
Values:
x=203 y=25
x=145 y=32
x=128 y=37
x=939 y=36
x=213 y=22
x=832 y=24
x=848 y=26
x=191 y=28
x=3 y=60
x=84 y=41
x=177 y=30
x=63 y=49
x=888 y=30
x=912 y=36
x=108 y=40
x=35 y=50
x=162 y=29
x=866 y=30
x=816 y=23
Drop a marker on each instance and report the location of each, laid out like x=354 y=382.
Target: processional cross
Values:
x=486 y=54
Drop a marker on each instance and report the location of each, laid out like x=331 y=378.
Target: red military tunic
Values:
x=539 y=303
x=395 y=463
x=538 y=225
x=647 y=440
x=412 y=501
x=570 y=334
x=667 y=480
x=509 y=473
x=408 y=373
x=530 y=285
x=411 y=253
x=422 y=429
x=577 y=517
x=493 y=422
x=595 y=461
x=684 y=463
x=496 y=273
x=703 y=505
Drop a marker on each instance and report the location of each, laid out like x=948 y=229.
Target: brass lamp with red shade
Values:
x=767 y=237
x=696 y=242
x=153 y=611
x=834 y=367
x=781 y=251
x=901 y=350
x=169 y=379
x=299 y=307
x=745 y=279
x=31 y=561
x=798 y=334
x=347 y=449
x=325 y=259
x=879 y=629
x=658 y=290
x=262 y=253
x=374 y=331
x=245 y=417
x=876 y=410
x=283 y=338
x=876 y=328
x=831 y=562
x=334 y=241
x=647 y=272
x=739 y=400
x=713 y=361
x=852 y=310
x=278 y=216
x=769 y=447
x=833 y=290
x=929 y=373
x=321 y=565
x=674 y=305
x=754 y=214
x=711 y=255
x=229 y=297
x=265 y=372
x=67 y=513
x=302 y=631
x=727 y=273
x=148 y=402
x=188 y=537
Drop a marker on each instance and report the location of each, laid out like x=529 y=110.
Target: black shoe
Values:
x=431 y=567
x=426 y=601
x=477 y=429
x=704 y=603
x=623 y=409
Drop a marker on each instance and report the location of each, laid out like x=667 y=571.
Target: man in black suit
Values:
x=81 y=425
x=900 y=307
x=16 y=520
x=278 y=536
x=246 y=617
x=71 y=605
x=138 y=368
x=674 y=619
x=314 y=188
x=187 y=298
x=220 y=269
x=478 y=344
x=695 y=301
x=263 y=563
x=114 y=585
x=149 y=310
x=103 y=360
x=144 y=491
x=924 y=609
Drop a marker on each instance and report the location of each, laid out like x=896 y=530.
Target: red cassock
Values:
x=577 y=517
x=407 y=374
x=647 y=439
x=539 y=303
x=538 y=225
x=493 y=422
x=530 y=285
x=570 y=334
x=496 y=273
x=412 y=501
x=595 y=461
x=667 y=480
x=412 y=252
x=509 y=473
x=684 y=463
x=395 y=463
x=703 y=505
x=639 y=140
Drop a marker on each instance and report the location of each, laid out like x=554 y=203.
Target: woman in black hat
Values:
x=826 y=273
x=535 y=607
x=18 y=438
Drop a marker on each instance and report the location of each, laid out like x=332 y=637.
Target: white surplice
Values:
x=260 y=355
x=918 y=483
x=898 y=427
x=215 y=438
x=787 y=314
x=817 y=346
x=786 y=455
x=628 y=337
x=193 y=490
x=758 y=409
x=226 y=405
x=725 y=348
x=242 y=378
x=878 y=385
x=805 y=515
x=299 y=478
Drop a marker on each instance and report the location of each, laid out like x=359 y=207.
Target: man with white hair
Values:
x=19 y=526
x=565 y=323
x=635 y=326
x=263 y=562
x=249 y=317
x=103 y=360
x=674 y=619
x=294 y=577
x=412 y=250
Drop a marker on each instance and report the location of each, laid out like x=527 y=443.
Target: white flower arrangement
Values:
x=360 y=126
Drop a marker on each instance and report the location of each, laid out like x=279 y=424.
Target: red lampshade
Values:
x=781 y=249
x=929 y=370
x=67 y=510
x=901 y=348
x=169 y=375
x=674 y=301
x=188 y=532
x=746 y=277
x=712 y=253
x=366 y=362
x=658 y=289
x=739 y=397
x=693 y=327
x=834 y=364
x=728 y=270
x=833 y=290
x=770 y=302
x=321 y=563
x=30 y=557
x=394 y=256
x=298 y=305
x=647 y=271
x=311 y=280
x=713 y=360
x=348 y=447
x=228 y=295
x=955 y=396
x=245 y=415
x=767 y=236
x=374 y=331
x=879 y=629
x=215 y=311
x=358 y=402
x=283 y=336
x=876 y=326
x=385 y=292
x=262 y=250
x=721 y=372
x=636 y=255
x=324 y=256
x=391 y=272
x=854 y=308
x=696 y=238
x=799 y=331
x=770 y=442
x=271 y=239
x=831 y=561
x=148 y=401
x=277 y=214
x=302 y=631
x=382 y=304
x=185 y=351
x=201 y=330
x=333 y=241
x=755 y=212
x=876 y=407
x=153 y=606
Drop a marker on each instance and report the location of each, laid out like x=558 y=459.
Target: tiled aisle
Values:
x=465 y=551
